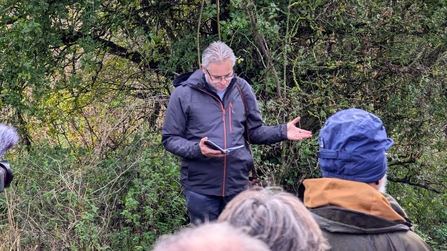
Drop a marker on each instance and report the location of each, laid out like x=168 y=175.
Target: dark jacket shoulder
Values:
x=350 y=230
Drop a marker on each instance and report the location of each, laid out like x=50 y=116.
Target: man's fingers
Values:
x=296 y=120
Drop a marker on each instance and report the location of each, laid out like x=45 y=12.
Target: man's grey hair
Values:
x=278 y=218
x=210 y=237
x=217 y=52
x=8 y=138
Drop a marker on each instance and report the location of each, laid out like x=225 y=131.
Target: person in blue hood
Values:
x=349 y=203
x=214 y=104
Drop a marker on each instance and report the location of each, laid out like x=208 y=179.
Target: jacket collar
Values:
x=197 y=80
x=356 y=196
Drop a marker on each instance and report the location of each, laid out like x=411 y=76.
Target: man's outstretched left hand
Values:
x=295 y=133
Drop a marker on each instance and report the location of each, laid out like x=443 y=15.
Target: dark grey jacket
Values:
x=196 y=111
x=332 y=201
x=349 y=230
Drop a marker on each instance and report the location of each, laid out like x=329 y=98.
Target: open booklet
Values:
x=214 y=146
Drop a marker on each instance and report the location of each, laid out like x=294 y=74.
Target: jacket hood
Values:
x=352 y=195
x=352 y=146
x=196 y=80
x=190 y=78
x=341 y=220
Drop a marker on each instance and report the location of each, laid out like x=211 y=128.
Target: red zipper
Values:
x=230 y=110
x=225 y=138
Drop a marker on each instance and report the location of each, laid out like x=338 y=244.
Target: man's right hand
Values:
x=208 y=152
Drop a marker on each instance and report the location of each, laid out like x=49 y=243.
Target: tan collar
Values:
x=347 y=194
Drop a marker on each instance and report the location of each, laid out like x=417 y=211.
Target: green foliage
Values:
x=153 y=204
x=81 y=202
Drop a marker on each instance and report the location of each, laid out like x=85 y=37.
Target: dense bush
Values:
x=66 y=200
x=87 y=83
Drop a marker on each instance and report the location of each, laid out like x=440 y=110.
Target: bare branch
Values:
x=407 y=181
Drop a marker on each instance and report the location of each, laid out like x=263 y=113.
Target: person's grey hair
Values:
x=8 y=138
x=210 y=236
x=217 y=52
x=278 y=218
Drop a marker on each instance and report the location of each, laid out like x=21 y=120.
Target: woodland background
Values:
x=86 y=84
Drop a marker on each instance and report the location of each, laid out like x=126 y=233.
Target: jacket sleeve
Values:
x=258 y=132
x=174 y=127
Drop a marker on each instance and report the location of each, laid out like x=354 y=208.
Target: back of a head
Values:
x=352 y=146
x=210 y=237
x=276 y=217
x=8 y=138
x=217 y=52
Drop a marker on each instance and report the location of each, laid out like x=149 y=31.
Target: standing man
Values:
x=213 y=103
x=349 y=203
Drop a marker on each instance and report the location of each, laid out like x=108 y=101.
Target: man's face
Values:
x=219 y=75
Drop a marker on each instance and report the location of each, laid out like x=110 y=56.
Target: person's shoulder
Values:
x=244 y=85
x=414 y=242
x=242 y=82
x=181 y=79
x=189 y=79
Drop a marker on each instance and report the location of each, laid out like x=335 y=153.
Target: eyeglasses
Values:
x=216 y=80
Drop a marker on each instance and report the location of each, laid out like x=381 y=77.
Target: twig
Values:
x=407 y=181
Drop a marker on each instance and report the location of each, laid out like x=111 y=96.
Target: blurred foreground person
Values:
x=347 y=202
x=278 y=218
x=8 y=138
x=210 y=237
